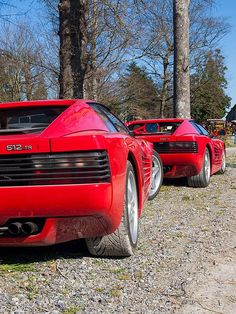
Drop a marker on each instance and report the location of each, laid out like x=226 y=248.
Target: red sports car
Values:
x=69 y=169
x=185 y=147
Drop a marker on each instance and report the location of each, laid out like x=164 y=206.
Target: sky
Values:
x=226 y=8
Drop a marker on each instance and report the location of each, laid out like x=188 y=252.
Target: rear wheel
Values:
x=157 y=176
x=123 y=241
x=223 y=162
x=202 y=179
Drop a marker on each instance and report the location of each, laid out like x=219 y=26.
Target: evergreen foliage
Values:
x=138 y=94
x=208 y=88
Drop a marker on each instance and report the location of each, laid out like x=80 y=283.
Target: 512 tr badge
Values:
x=18 y=147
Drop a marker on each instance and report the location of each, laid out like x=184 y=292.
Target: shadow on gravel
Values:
x=230 y=165
x=175 y=182
x=73 y=249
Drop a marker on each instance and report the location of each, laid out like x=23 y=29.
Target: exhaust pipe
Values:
x=15 y=228
x=29 y=227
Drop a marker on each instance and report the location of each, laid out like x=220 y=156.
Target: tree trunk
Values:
x=73 y=41
x=181 y=59
x=165 y=83
x=28 y=78
x=91 y=85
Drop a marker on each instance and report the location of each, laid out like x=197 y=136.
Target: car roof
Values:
x=48 y=102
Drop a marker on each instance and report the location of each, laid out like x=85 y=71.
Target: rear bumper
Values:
x=58 y=230
x=55 y=201
x=182 y=165
x=71 y=212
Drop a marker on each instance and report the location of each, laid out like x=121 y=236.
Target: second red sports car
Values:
x=185 y=147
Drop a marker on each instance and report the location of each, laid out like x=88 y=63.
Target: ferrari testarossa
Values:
x=70 y=169
x=185 y=147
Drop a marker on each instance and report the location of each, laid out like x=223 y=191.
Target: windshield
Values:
x=154 y=127
x=28 y=119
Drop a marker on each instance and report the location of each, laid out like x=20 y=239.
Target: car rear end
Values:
x=179 y=150
x=53 y=188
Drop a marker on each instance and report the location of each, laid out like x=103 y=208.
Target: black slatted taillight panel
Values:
x=175 y=147
x=54 y=168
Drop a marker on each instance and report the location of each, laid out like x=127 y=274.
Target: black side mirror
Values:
x=131 y=133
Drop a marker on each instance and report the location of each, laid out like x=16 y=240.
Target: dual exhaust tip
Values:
x=24 y=228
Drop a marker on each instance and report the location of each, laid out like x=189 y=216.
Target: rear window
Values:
x=155 y=128
x=28 y=120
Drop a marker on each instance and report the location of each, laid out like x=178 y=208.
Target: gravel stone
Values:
x=186 y=246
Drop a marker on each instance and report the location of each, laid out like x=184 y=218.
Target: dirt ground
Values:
x=185 y=261
x=214 y=290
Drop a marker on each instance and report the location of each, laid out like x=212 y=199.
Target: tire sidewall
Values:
x=205 y=178
x=151 y=197
x=126 y=215
x=223 y=162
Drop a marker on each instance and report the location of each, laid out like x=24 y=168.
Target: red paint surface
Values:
x=74 y=211
x=184 y=164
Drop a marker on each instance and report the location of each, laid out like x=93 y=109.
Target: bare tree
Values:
x=181 y=59
x=73 y=40
x=20 y=72
x=154 y=41
x=118 y=32
x=106 y=39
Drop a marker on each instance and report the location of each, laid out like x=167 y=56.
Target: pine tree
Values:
x=208 y=89
x=139 y=94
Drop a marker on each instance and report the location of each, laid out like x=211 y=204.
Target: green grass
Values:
x=17 y=267
x=72 y=310
x=186 y=198
x=99 y=289
x=115 y=292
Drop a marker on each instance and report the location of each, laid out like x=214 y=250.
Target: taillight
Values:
x=55 y=168
x=176 y=147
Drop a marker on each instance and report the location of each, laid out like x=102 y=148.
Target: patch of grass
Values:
x=100 y=289
x=138 y=274
x=124 y=276
x=118 y=270
x=186 y=198
x=97 y=262
x=164 y=188
x=72 y=310
x=32 y=291
x=65 y=291
x=115 y=292
x=178 y=235
x=220 y=213
x=17 y=267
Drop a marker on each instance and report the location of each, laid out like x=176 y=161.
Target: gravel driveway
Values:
x=185 y=262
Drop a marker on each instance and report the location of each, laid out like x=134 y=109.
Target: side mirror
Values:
x=132 y=133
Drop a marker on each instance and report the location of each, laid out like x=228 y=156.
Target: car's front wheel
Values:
x=123 y=241
x=156 y=177
x=202 y=179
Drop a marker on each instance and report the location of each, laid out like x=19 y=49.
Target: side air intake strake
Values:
x=54 y=168
x=175 y=147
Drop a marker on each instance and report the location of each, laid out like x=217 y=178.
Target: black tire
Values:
x=157 y=178
x=202 y=179
x=123 y=241
x=223 y=163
